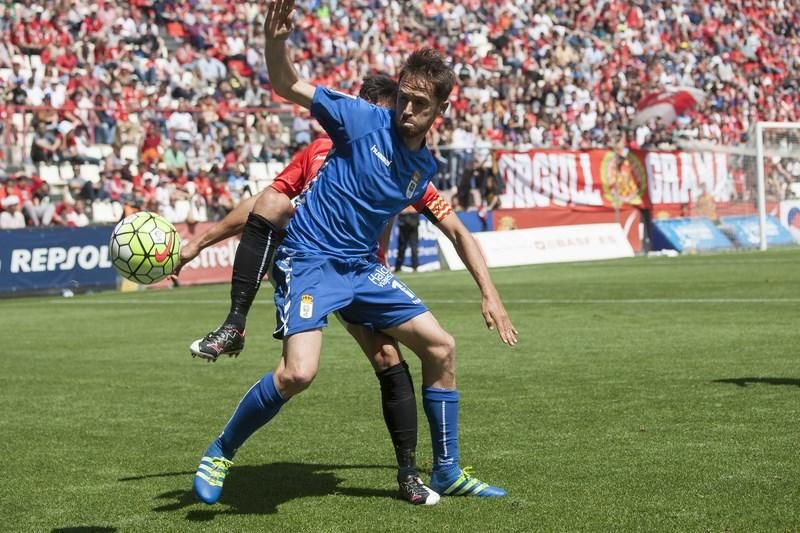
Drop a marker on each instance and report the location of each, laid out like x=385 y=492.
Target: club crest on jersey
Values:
x=306 y=306
x=412 y=185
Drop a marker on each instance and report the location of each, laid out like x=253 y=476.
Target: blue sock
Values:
x=256 y=408
x=441 y=408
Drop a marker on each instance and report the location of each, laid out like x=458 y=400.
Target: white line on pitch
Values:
x=535 y=301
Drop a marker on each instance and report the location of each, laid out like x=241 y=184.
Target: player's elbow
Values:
x=282 y=87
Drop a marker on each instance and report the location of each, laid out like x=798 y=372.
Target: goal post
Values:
x=779 y=140
x=762 y=173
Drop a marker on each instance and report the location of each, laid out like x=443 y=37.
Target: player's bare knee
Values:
x=295 y=381
x=275 y=207
x=387 y=356
x=444 y=350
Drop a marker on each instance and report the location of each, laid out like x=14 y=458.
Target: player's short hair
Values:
x=430 y=65
x=378 y=87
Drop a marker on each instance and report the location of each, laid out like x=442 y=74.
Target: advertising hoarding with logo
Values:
x=44 y=259
x=583 y=242
x=688 y=235
x=746 y=230
x=427 y=248
x=790 y=217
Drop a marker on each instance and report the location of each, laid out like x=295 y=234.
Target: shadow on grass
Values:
x=744 y=382
x=260 y=489
x=84 y=529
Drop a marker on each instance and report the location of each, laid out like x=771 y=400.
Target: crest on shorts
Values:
x=306 y=306
x=412 y=185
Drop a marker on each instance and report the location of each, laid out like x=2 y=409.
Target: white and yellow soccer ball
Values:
x=145 y=247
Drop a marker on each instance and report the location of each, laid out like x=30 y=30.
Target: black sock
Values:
x=400 y=413
x=260 y=239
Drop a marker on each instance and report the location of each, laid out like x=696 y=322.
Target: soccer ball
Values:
x=145 y=247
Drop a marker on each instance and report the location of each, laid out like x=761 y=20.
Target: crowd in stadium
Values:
x=186 y=84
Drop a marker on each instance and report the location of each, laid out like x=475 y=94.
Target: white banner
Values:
x=584 y=242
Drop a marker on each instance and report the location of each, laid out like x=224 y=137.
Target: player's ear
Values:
x=443 y=107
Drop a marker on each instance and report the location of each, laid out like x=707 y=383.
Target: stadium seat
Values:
x=105 y=150
x=117 y=210
x=257 y=171
x=50 y=174
x=66 y=172
x=130 y=151
x=91 y=173
x=181 y=210
x=105 y=212
x=35 y=61
x=273 y=169
x=95 y=151
x=101 y=212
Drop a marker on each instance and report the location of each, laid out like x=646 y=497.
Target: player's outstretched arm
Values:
x=282 y=75
x=231 y=225
x=494 y=312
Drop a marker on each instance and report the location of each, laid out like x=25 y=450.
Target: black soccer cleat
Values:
x=413 y=490
x=226 y=339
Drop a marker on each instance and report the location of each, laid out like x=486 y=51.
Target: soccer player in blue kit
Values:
x=378 y=166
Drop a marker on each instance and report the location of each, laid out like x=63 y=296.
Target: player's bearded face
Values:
x=416 y=107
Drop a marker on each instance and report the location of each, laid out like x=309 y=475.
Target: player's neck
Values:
x=414 y=143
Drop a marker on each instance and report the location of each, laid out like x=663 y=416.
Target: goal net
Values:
x=763 y=179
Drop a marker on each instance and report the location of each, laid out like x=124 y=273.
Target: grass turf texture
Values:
x=667 y=401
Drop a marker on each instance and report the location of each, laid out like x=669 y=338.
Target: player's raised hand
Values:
x=278 y=25
x=496 y=317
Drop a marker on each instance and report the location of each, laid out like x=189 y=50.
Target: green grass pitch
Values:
x=650 y=394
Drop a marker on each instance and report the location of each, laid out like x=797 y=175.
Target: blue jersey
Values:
x=369 y=177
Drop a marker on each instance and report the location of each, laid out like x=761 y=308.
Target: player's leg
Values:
x=399 y=409
x=413 y=242
x=436 y=349
x=260 y=238
x=295 y=372
x=402 y=243
x=383 y=302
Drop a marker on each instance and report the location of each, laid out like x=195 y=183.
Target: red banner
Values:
x=666 y=181
x=627 y=217
x=213 y=265
x=562 y=178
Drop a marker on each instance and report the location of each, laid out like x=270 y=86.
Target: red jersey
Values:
x=303 y=167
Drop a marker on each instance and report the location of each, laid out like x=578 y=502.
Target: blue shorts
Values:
x=308 y=288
